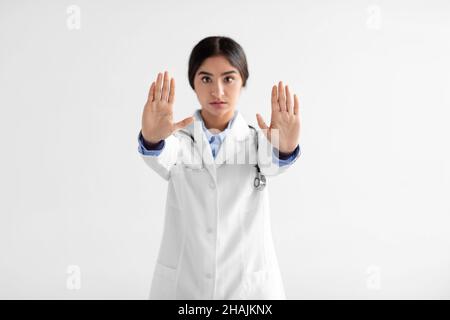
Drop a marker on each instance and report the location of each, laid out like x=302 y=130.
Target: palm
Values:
x=157 y=118
x=284 y=121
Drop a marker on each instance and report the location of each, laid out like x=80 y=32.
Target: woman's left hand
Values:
x=285 y=118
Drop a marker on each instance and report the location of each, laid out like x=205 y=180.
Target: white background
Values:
x=364 y=213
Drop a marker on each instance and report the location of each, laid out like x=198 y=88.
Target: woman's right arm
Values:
x=157 y=146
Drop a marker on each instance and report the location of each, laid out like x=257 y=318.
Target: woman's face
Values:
x=217 y=79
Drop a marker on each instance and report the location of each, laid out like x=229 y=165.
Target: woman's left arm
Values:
x=284 y=129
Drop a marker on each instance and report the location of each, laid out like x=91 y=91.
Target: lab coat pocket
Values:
x=163 y=283
x=254 y=285
x=191 y=168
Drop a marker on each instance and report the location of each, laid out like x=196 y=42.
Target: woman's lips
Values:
x=218 y=105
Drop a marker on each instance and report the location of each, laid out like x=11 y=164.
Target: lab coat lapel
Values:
x=231 y=145
x=239 y=131
x=201 y=144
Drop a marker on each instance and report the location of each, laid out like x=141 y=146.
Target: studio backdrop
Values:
x=364 y=212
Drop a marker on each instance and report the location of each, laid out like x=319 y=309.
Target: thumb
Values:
x=183 y=123
x=261 y=122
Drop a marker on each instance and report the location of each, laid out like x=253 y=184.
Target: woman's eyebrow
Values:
x=210 y=74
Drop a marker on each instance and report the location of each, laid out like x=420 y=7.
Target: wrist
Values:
x=286 y=152
x=149 y=141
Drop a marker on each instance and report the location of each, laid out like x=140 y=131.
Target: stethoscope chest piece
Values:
x=260 y=180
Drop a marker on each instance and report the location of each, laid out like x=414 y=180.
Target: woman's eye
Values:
x=207 y=78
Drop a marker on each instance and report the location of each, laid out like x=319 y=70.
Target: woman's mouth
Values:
x=218 y=104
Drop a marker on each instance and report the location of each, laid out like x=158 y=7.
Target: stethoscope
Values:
x=260 y=180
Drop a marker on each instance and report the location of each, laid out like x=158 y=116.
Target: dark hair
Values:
x=218 y=46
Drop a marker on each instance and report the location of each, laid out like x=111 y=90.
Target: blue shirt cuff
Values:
x=284 y=162
x=155 y=151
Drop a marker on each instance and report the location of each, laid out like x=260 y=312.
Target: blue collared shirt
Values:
x=215 y=141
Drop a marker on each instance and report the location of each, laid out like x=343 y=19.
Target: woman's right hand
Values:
x=157 y=118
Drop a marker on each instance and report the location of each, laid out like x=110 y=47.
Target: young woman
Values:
x=217 y=241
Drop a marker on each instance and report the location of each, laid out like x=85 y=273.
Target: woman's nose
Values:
x=217 y=90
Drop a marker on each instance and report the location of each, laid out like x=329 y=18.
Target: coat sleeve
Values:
x=267 y=161
x=163 y=162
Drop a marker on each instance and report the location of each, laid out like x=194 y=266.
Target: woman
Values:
x=217 y=241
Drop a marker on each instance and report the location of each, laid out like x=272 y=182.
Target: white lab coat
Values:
x=217 y=241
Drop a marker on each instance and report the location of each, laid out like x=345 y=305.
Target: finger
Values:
x=288 y=101
x=151 y=92
x=165 y=91
x=183 y=123
x=281 y=96
x=172 y=91
x=275 y=105
x=158 y=87
x=261 y=122
x=296 y=105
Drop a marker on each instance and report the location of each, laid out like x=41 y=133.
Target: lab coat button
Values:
x=209 y=230
x=212 y=185
x=208 y=275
